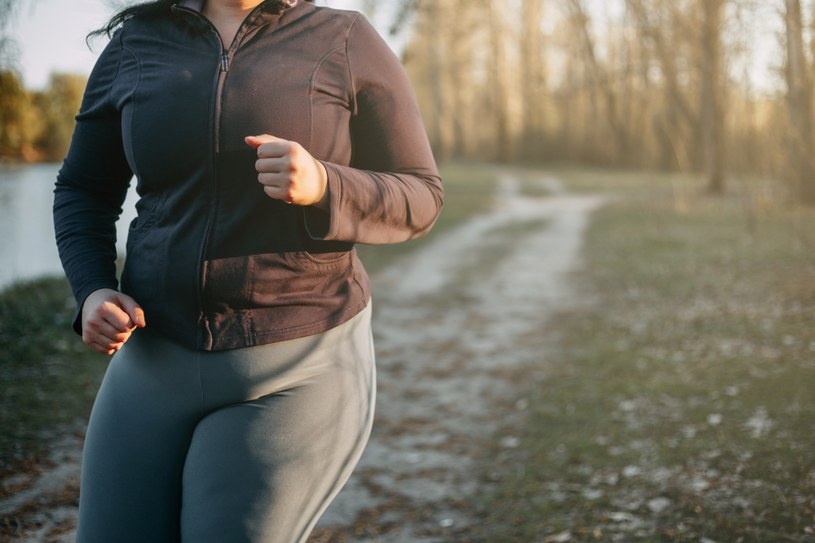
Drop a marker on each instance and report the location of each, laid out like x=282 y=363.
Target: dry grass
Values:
x=679 y=406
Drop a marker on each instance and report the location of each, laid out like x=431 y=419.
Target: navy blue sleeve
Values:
x=92 y=184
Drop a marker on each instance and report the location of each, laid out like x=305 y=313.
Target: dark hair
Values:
x=153 y=9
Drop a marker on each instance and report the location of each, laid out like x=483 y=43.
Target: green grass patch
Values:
x=48 y=377
x=679 y=404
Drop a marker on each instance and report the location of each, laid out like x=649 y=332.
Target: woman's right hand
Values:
x=108 y=319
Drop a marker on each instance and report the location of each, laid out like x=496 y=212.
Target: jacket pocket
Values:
x=277 y=279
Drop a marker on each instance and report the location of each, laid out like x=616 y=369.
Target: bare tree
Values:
x=8 y=52
x=712 y=104
x=533 y=76
x=661 y=26
x=799 y=103
x=600 y=81
x=499 y=81
x=648 y=85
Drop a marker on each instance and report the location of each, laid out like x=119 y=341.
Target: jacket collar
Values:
x=198 y=5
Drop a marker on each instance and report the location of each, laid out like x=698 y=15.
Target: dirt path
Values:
x=458 y=329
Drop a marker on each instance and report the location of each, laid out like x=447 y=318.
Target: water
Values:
x=27 y=247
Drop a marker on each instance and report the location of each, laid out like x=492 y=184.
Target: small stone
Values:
x=621 y=516
x=631 y=471
x=510 y=442
x=714 y=419
x=592 y=494
x=698 y=484
x=658 y=505
x=732 y=391
x=562 y=537
x=627 y=405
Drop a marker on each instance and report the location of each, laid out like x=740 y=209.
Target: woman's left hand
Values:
x=288 y=172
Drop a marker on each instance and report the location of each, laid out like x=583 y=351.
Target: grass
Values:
x=48 y=378
x=679 y=404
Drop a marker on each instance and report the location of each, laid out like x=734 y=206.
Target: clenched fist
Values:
x=108 y=319
x=288 y=172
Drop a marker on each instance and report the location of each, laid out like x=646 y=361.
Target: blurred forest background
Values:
x=712 y=86
x=35 y=126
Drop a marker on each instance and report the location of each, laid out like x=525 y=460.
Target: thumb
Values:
x=133 y=310
x=257 y=141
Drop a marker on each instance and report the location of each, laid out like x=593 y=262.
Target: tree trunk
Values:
x=799 y=103
x=499 y=82
x=678 y=120
x=712 y=114
x=601 y=84
x=533 y=77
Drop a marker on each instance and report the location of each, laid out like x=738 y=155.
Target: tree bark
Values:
x=712 y=112
x=533 y=77
x=499 y=81
x=799 y=104
x=677 y=121
x=601 y=83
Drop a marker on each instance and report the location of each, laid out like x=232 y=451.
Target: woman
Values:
x=266 y=138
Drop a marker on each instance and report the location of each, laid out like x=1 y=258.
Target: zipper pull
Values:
x=224 y=61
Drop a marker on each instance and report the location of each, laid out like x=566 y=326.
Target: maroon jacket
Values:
x=214 y=262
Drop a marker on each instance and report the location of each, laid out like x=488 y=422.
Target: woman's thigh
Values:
x=137 y=439
x=265 y=470
x=246 y=445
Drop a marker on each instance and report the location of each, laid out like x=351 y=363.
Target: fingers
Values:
x=257 y=141
x=106 y=348
x=108 y=320
x=287 y=171
x=269 y=146
x=132 y=309
x=277 y=166
x=277 y=185
x=107 y=329
x=275 y=171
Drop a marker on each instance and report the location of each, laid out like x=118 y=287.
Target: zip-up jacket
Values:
x=214 y=262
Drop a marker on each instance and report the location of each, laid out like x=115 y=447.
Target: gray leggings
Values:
x=248 y=445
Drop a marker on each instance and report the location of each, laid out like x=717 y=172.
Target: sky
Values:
x=50 y=35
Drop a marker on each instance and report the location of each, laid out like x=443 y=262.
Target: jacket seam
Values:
x=118 y=68
x=311 y=86
x=135 y=102
x=348 y=64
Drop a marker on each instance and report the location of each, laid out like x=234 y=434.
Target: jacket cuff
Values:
x=323 y=224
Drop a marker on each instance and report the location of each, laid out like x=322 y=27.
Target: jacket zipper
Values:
x=224 y=63
x=205 y=338
x=224 y=60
